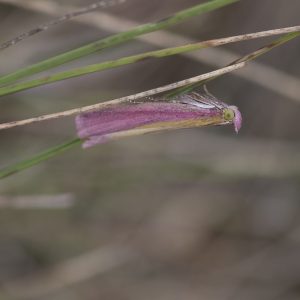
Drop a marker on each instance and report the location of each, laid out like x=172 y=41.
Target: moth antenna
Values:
x=207 y=91
x=219 y=104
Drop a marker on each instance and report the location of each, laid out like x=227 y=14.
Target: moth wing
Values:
x=193 y=99
x=205 y=101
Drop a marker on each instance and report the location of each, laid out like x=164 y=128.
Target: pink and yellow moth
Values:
x=185 y=111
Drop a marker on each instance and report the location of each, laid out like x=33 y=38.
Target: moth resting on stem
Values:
x=155 y=114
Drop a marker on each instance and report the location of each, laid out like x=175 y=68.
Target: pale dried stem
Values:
x=62 y=19
x=58 y=201
x=124 y=99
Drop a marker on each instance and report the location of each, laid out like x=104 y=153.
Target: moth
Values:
x=155 y=114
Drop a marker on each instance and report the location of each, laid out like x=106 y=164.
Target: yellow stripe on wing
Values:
x=216 y=120
x=159 y=126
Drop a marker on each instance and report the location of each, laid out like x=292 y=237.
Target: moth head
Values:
x=231 y=114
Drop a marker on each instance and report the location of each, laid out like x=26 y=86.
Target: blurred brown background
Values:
x=190 y=214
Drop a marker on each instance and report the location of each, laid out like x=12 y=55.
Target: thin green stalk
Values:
x=66 y=146
x=246 y=58
x=265 y=49
x=36 y=159
x=113 y=40
x=140 y=57
x=99 y=67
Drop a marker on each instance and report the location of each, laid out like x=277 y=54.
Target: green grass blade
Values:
x=100 y=67
x=246 y=58
x=113 y=40
x=25 y=164
x=267 y=48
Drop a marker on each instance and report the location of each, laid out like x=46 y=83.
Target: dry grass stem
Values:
x=56 y=201
x=62 y=19
x=124 y=99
